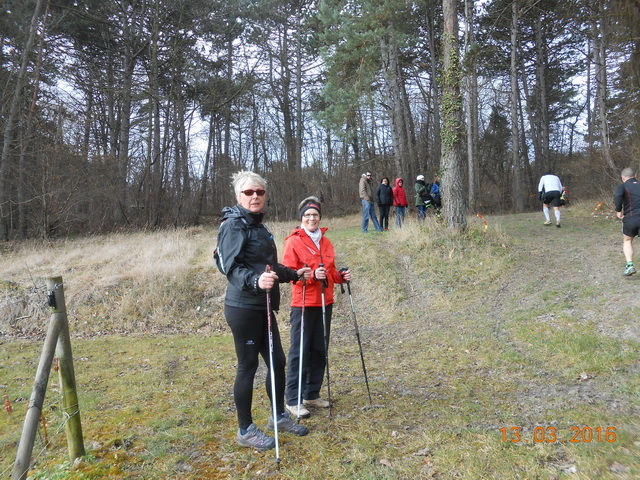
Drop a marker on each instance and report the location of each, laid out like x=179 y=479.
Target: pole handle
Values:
x=267 y=269
x=341 y=271
x=324 y=282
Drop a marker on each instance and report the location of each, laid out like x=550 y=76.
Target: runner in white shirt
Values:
x=550 y=190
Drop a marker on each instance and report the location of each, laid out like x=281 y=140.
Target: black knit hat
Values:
x=307 y=204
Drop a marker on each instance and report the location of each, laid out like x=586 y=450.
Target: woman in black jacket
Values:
x=384 y=198
x=245 y=248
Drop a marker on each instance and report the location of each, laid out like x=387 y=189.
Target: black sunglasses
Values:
x=249 y=193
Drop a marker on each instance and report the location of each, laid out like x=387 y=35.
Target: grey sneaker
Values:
x=294 y=409
x=286 y=424
x=317 y=403
x=255 y=438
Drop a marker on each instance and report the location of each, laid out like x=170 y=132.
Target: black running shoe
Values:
x=286 y=424
x=255 y=438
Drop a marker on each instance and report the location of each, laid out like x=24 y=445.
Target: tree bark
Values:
x=396 y=106
x=543 y=109
x=436 y=151
x=10 y=123
x=472 y=105
x=517 y=183
x=600 y=60
x=453 y=198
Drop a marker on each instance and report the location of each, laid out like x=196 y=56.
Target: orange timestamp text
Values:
x=553 y=435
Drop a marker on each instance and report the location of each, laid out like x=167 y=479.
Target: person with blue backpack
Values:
x=436 y=193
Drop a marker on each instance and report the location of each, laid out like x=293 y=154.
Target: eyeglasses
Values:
x=249 y=193
x=368 y=174
x=311 y=215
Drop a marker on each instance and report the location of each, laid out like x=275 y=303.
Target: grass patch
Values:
x=463 y=335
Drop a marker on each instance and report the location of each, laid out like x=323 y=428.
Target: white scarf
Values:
x=315 y=236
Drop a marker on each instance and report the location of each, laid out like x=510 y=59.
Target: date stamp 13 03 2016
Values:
x=583 y=434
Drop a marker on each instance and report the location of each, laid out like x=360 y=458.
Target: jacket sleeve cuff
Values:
x=256 y=279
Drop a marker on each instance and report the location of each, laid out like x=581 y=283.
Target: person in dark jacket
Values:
x=627 y=205
x=384 y=199
x=423 y=197
x=245 y=248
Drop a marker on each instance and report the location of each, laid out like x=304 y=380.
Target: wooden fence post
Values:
x=57 y=324
x=66 y=374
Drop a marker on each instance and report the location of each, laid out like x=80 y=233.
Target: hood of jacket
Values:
x=238 y=211
x=398 y=179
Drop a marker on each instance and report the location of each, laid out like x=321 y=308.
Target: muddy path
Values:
x=563 y=282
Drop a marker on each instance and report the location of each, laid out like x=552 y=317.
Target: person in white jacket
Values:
x=550 y=191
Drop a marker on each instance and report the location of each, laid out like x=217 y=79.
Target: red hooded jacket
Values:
x=399 y=195
x=299 y=250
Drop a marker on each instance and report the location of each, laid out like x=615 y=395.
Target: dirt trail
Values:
x=582 y=257
x=567 y=279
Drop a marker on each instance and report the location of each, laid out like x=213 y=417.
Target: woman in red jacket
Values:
x=307 y=246
x=399 y=201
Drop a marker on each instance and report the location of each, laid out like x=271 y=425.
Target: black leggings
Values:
x=251 y=337
x=384 y=215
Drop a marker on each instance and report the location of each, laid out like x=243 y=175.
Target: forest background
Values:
x=120 y=114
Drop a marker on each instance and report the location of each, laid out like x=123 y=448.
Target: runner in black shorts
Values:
x=631 y=226
x=627 y=203
x=550 y=191
x=552 y=199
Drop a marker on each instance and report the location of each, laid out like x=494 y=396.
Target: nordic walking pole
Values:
x=273 y=375
x=355 y=325
x=326 y=343
x=304 y=291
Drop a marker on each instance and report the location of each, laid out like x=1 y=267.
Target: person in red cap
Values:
x=308 y=246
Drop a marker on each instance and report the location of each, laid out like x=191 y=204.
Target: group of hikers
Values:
x=246 y=254
x=426 y=195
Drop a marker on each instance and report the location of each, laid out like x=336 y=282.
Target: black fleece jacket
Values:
x=245 y=248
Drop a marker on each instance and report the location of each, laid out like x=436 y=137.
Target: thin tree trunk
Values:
x=600 y=50
x=588 y=99
x=391 y=69
x=299 y=123
x=543 y=113
x=472 y=105
x=11 y=121
x=517 y=183
x=436 y=151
